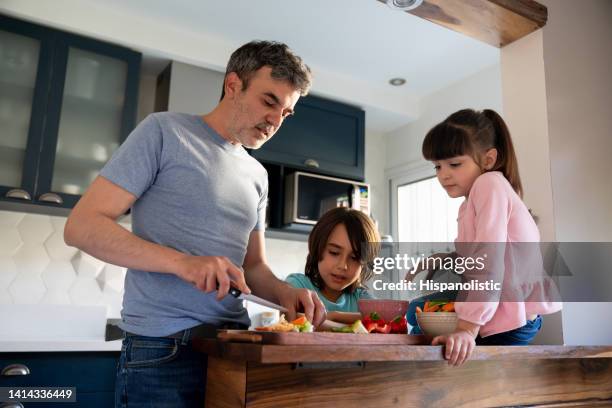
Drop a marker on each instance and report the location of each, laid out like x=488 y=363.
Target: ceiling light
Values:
x=397 y=81
x=404 y=5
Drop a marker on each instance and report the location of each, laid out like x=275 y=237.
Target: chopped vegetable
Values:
x=399 y=325
x=438 y=306
x=299 y=321
x=300 y=324
x=449 y=307
x=358 y=328
x=345 y=329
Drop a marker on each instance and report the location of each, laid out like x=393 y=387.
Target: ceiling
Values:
x=353 y=46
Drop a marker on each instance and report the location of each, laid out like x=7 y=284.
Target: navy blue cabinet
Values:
x=66 y=103
x=323 y=136
x=91 y=373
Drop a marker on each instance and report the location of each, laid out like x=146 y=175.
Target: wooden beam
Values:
x=496 y=22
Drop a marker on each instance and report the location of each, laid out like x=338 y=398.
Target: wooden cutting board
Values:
x=320 y=338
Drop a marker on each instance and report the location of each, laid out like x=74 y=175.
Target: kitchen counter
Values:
x=261 y=375
x=58 y=345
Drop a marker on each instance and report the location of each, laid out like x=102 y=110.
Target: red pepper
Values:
x=383 y=328
x=399 y=325
x=370 y=326
x=373 y=318
x=375 y=324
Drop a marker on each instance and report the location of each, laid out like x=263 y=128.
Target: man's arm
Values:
x=264 y=284
x=92 y=227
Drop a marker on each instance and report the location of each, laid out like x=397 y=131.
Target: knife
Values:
x=255 y=299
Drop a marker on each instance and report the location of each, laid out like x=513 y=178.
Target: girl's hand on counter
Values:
x=458 y=346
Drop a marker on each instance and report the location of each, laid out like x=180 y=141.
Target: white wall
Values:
x=524 y=99
x=479 y=91
x=525 y=112
x=375 y=159
x=577 y=57
x=194 y=89
x=403 y=146
x=146 y=96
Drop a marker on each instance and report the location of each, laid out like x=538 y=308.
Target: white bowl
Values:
x=437 y=323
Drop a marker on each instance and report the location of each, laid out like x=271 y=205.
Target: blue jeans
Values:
x=160 y=372
x=517 y=337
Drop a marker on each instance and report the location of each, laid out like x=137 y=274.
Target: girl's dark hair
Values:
x=470 y=132
x=362 y=234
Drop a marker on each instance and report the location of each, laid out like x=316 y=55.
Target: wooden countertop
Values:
x=275 y=354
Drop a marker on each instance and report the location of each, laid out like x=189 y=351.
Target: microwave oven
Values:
x=308 y=196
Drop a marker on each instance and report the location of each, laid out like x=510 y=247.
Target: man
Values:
x=198 y=206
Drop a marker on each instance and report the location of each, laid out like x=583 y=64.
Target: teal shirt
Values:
x=347 y=302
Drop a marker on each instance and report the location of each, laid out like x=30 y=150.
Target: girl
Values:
x=474 y=158
x=341 y=249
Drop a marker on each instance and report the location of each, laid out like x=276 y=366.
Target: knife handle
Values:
x=234 y=292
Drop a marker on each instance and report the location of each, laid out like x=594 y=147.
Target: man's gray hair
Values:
x=286 y=66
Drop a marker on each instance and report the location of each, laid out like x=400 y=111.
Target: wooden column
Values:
x=226 y=383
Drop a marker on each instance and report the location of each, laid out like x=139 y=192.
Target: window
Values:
x=425 y=213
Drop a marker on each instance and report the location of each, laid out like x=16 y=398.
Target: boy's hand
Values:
x=305 y=300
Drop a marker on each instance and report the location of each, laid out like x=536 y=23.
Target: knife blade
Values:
x=255 y=299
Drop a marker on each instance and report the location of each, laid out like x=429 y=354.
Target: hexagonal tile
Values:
x=85 y=291
x=56 y=297
x=31 y=259
x=5 y=297
x=57 y=248
x=58 y=223
x=35 y=228
x=87 y=266
x=8 y=272
x=27 y=289
x=10 y=218
x=111 y=277
x=59 y=275
x=10 y=241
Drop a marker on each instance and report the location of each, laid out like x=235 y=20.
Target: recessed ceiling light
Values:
x=397 y=81
x=404 y=5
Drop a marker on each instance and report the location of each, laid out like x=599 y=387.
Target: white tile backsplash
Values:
x=27 y=289
x=59 y=275
x=35 y=228
x=31 y=259
x=10 y=241
x=10 y=218
x=8 y=272
x=37 y=267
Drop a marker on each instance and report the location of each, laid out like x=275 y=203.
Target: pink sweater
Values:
x=493 y=212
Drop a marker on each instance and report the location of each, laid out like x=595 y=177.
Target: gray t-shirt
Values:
x=196 y=193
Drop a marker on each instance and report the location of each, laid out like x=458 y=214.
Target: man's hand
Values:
x=210 y=273
x=305 y=300
x=458 y=346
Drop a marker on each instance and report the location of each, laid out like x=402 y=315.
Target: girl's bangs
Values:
x=445 y=141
